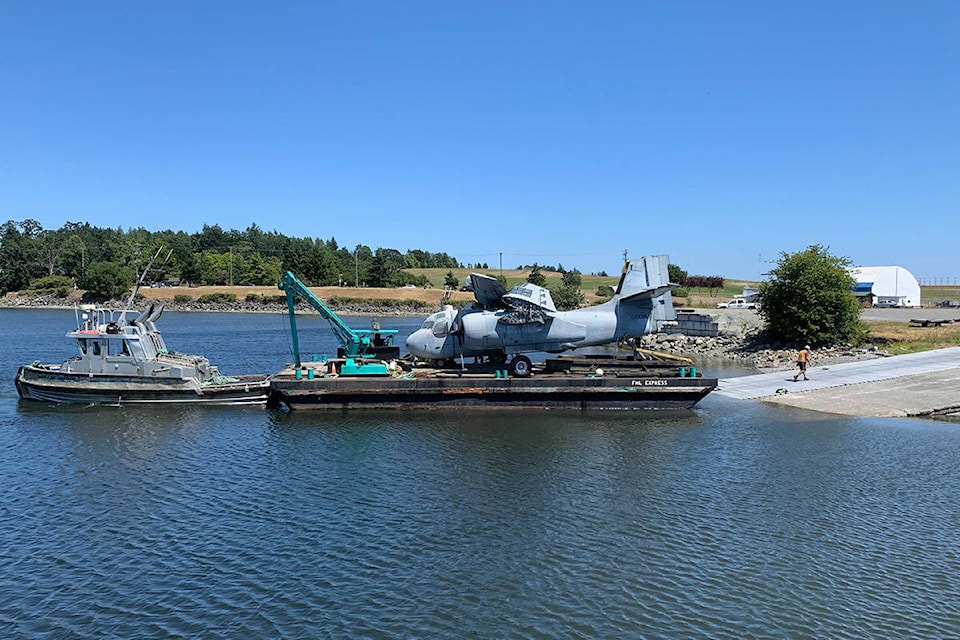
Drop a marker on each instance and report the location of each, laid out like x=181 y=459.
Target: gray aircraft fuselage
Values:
x=642 y=301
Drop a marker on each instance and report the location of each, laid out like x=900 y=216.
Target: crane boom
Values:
x=354 y=342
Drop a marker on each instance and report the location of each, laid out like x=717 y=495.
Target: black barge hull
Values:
x=540 y=391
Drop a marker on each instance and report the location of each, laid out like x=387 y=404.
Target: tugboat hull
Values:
x=49 y=384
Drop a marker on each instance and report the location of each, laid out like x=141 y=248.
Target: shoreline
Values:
x=239 y=306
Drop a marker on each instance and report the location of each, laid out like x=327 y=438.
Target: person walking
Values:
x=802 y=359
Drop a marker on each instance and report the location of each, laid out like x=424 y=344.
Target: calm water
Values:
x=736 y=520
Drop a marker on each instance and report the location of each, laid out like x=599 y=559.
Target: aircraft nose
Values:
x=414 y=342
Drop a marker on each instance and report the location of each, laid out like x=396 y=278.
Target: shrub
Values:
x=182 y=298
x=682 y=292
x=57 y=285
x=808 y=299
x=218 y=298
x=253 y=297
x=604 y=291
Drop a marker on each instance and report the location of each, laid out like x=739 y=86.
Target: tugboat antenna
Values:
x=140 y=279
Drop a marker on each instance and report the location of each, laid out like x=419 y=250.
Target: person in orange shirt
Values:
x=802 y=359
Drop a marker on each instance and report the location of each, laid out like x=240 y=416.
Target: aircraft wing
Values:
x=488 y=291
x=528 y=294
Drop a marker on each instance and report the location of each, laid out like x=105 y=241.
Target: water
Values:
x=736 y=520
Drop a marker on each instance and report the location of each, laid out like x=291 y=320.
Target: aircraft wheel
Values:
x=521 y=366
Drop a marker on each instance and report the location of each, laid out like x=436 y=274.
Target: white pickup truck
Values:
x=738 y=303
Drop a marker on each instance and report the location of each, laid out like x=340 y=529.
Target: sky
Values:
x=722 y=134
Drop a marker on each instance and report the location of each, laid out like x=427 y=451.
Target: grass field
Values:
x=932 y=295
x=901 y=337
x=696 y=298
x=704 y=299
x=589 y=283
x=708 y=298
x=426 y=296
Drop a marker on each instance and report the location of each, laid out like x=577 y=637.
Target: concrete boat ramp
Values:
x=918 y=384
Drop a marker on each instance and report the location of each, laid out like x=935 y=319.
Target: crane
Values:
x=354 y=343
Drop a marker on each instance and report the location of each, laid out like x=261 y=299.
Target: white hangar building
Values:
x=886 y=286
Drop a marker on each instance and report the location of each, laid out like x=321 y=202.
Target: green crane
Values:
x=355 y=343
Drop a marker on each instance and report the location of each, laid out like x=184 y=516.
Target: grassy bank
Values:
x=901 y=338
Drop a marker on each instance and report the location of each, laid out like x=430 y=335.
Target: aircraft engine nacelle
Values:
x=480 y=332
x=484 y=331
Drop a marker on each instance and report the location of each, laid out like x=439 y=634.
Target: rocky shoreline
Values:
x=750 y=349
x=257 y=304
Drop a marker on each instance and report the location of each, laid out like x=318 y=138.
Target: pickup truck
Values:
x=738 y=303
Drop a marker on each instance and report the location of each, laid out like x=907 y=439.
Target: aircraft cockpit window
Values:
x=427 y=324
x=441 y=328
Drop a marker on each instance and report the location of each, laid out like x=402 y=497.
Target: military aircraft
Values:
x=509 y=323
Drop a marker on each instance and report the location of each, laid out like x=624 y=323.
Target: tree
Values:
x=676 y=274
x=450 y=280
x=572 y=279
x=809 y=299
x=107 y=280
x=73 y=257
x=50 y=247
x=385 y=268
x=16 y=259
x=568 y=295
x=536 y=276
x=499 y=278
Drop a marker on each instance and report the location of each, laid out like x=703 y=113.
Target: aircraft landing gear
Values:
x=499 y=358
x=521 y=366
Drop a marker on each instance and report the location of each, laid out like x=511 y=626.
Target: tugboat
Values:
x=124 y=361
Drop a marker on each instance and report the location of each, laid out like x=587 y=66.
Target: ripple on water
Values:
x=178 y=522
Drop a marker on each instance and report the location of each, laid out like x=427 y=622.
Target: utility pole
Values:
x=625 y=256
x=356 y=266
x=501 y=264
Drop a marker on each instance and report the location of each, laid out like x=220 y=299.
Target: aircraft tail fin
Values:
x=647 y=277
x=646 y=282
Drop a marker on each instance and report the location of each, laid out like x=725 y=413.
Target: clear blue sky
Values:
x=720 y=133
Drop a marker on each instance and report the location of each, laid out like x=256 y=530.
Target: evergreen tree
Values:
x=17 y=264
x=536 y=276
x=568 y=295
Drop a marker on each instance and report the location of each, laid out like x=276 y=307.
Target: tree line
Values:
x=213 y=256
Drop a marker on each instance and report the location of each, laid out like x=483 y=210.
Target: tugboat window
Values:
x=96 y=347
x=83 y=346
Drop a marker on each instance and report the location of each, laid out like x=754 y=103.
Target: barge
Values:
x=564 y=382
